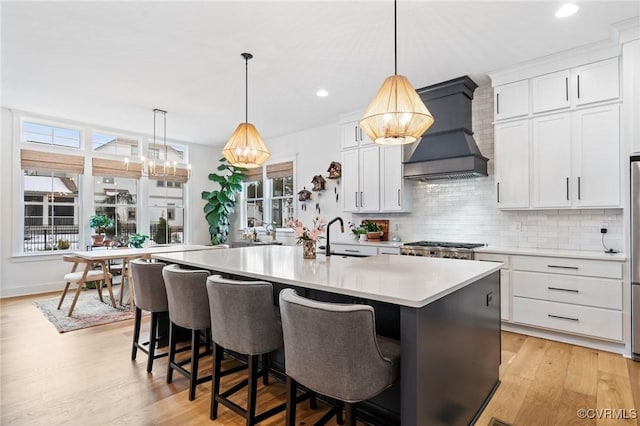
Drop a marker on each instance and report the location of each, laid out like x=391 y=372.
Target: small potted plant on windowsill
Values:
x=374 y=232
x=136 y=240
x=100 y=223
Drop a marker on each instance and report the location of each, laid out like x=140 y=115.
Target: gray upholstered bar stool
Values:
x=333 y=349
x=149 y=295
x=188 y=308
x=244 y=320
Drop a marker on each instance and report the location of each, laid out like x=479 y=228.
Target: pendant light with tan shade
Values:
x=396 y=115
x=246 y=148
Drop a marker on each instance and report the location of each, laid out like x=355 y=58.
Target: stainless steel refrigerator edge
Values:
x=635 y=256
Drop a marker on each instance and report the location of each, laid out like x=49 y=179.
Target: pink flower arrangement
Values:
x=308 y=234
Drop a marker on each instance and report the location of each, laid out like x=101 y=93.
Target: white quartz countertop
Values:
x=576 y=254
x=401 y=280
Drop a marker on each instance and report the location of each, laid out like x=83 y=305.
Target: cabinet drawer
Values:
x=595 y=322
x=492 y=257
x=354 y=249
x=564 y=266
x=388 y=250
x=596 y=292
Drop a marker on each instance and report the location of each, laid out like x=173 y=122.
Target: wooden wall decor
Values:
x=318 y=183
x=335 y=170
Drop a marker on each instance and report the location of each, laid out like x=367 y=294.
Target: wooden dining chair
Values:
x=80 y=278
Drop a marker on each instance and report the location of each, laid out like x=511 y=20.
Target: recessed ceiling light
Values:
x=567 y=9
x=322 y=93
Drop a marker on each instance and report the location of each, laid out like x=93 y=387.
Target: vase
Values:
x=363 y=237
x=309 y=249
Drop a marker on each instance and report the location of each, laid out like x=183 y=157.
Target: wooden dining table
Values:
x=103 y=256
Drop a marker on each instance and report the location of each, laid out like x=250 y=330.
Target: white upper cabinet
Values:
x=552 y=161
x=511 y=100
x=372 y=175
x=551 y=91
x=350 y=180
x=393 y=197
x=512 y=164
x=596 y=141
x=353 y=136
x=369 y=179
x=597 y=82
x=361 y=179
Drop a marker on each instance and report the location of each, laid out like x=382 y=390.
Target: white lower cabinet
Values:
x=584 y=320
x=576 y=296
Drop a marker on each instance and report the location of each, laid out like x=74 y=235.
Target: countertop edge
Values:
x=573 y=254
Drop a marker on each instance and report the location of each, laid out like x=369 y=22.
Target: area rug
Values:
x=89 y=312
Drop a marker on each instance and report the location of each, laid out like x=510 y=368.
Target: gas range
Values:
x=443 y=249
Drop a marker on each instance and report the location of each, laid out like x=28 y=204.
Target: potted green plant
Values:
x=136 y=240
x=373 y=230
x=359 y=232
x=99 y=223
x=221 y=203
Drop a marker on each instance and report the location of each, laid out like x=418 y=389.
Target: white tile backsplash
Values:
x=465 y=210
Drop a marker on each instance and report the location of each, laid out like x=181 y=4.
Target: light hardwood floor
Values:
x=86 y=377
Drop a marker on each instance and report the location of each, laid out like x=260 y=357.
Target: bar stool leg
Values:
x=136 y=333
x=265 y=369
x=215 y=388
x=172 y=351
x=152 y=339
x=195 y=349
x=292 y=387
x=252 y=389
x=350 y=414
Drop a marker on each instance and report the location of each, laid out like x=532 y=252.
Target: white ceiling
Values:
x=111 y=63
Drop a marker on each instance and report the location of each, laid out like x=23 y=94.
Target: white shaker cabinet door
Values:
x=369 y=200
x=597 y=156
x=597 y=82
x=391 y=183
x=512 y=164
x=551 y=91
x=349 y=180
x=511 y=100
x=552 y=161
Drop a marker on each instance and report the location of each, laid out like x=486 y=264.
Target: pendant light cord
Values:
x=395 y=37
x=246 y=88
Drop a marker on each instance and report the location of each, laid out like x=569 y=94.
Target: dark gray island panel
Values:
x=451 y=355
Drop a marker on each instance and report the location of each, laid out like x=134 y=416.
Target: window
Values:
x=42 y=133
x=51 y=209
x=268 y=195
x=160 y=183
x=116 y=198
x=111 y=144
x=254 y=202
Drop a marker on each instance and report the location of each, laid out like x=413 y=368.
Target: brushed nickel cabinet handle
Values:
x=570 y=290
x=566 y=88
x=398 y=197
x=355 y=133
x=498 y=103
x=578 y=86
x=564 y=318
x=352 y=251
x=563 y=267
x=498 y=191
x=567 y=189
x=356 y=198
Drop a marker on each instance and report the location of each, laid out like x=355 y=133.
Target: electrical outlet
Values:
x=517 y=226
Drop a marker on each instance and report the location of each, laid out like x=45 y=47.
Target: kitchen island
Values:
x=445 y=312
